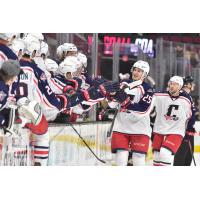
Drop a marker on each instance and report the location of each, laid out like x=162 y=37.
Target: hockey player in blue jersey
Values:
x=185 y=153
x=8 y=74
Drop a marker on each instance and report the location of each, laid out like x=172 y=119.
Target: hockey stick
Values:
x=86 y=144
x=112 y=124
x=10 y=128
x=192 y=154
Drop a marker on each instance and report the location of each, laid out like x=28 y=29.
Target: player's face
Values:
x=69 y=75
x=137 y=74
x=71 y=53
x=174 y=88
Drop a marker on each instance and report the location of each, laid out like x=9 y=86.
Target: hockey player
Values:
x=131 y=128
x=43 y=93
x=72 y=84
x=33 y=85
x=8 y=74
x=183 y=156
x=174 y=116
x=5 y=52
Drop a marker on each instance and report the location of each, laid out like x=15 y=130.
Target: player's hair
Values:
x=4 y=77
x=9 y=69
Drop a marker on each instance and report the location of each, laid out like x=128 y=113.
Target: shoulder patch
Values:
x=43 y=77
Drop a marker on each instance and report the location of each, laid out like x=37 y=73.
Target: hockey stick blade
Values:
x=102 y=161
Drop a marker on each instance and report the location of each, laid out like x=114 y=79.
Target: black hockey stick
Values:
x=9 y=129
x=112 y=124
x=86 y=144
x=192 y=154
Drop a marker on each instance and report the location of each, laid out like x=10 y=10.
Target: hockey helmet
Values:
x=7 y=36
x=143 y=66
x=188 y=79
x=51 y=65
x=83 y=59
x=177 y=79
x=68 y=65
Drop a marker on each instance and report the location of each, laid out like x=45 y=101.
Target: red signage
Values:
x=110 y=40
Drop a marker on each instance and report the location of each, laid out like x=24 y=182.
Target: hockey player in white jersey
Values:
x=131 y=128
x=174 y=117
x=33 y=85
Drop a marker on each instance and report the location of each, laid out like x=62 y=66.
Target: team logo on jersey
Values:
x=171 y=109
x=2 y=95
x=174 y=117
x=43 y=77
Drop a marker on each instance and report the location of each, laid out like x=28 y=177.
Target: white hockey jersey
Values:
x=36 y=88
x=173 y=115
x=136 y=119
x=28 y=85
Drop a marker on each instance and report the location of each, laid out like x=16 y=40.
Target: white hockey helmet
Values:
x=51 y=65
x=7 y=36
x=38 y=36
x=69 y=47
x=177 y=79
x=143 y=66
x=70 y=64
x=83 y=59
x=17 y=46
x=44 y=48
x=31 y=44
x=59 y=51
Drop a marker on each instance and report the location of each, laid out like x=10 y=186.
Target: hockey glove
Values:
x=109 y=87
x=122 y=98
x=69 y=102
x=69 y=90
x=79 y=82
x=92 y=94
x=63 y=100
x=75 y=83
x=97 y=81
